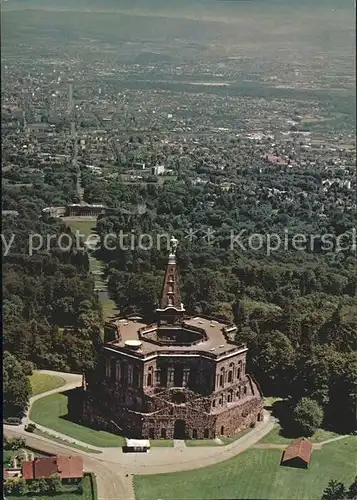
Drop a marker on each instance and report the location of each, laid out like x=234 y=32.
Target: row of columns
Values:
x=115 y=370
x=171 y=380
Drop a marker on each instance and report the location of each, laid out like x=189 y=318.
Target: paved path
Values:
x=112 y=482
x=73 y=380
x=114 y=469
x=316 y=446
x=179 y=443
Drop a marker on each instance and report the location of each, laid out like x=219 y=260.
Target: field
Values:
x=88 y=493
x=41 y=382
x=255 y=473
x=166 y=443
x=85 y=226
x=109 y=308
x=51 y=411
x=201 y=442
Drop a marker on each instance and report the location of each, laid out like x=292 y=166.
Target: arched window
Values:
x=130 y=374
x=239 y=372
x=149 y=380
x=214 y=403
x=221 y=378
x=163 y=433
x=229 y=396
x=118 y=370
x=222 y=430
x=220 y=400
x=194 y=434
x=245 y=390
x=206 y=434
x=230 y=373
x=151 y=433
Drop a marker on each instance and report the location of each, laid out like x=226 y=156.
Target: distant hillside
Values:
x=174 y=6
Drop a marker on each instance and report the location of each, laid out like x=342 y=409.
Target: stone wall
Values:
x=235 y=419
x=201 y=398
x=165 y=416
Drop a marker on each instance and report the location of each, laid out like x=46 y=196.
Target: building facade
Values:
x=180 y=378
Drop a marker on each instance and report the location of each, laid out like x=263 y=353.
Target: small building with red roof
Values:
x=298 y=453
x=65 y=467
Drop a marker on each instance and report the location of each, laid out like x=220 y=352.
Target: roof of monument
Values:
x=214 y=340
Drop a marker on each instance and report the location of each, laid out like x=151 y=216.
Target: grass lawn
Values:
x=7 y=456
x=41 y=382
x=269 y=401
x=83 y=226
x=163 y=178
x=109 y=308
x=230 y=439
x=88 y=494
x=161 y=442
x=274 y=436
x=201 y=442
x=256 y=473
x=37 y=432
x=95 y=264
x=48 y=411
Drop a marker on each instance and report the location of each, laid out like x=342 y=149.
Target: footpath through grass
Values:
x=256 y=473
x=51 y=412
x=41 y=382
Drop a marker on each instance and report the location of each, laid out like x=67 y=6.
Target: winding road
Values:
x=114 y=469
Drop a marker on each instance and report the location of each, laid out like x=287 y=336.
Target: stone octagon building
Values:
x=179 y=378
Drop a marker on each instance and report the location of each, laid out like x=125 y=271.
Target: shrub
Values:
x=14 y=444
x=27 y=367
x=12 y=421
x=308 y=416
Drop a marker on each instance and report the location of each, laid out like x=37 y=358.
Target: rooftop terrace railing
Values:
x=174 y=352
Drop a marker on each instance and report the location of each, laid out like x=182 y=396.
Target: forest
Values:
x=296 y=310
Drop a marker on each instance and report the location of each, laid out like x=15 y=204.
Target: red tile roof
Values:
x=66 y=467
x=70 y=467
x=300 y=448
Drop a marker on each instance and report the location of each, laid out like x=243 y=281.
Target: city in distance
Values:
x=179 y=248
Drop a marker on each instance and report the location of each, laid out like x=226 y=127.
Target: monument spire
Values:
x=170 y=308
